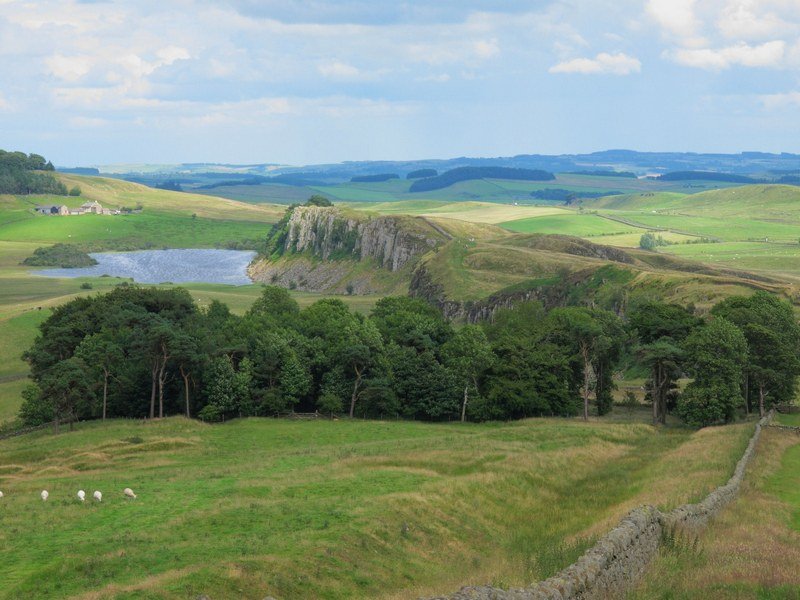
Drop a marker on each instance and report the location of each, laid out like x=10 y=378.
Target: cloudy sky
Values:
x=308 y=81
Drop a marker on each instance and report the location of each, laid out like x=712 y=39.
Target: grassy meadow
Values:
x=330 y=509
x=485 y=190
x=752 y=549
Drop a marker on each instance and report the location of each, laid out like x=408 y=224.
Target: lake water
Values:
x=159 y=266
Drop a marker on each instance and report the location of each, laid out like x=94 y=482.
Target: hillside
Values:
x=330 y=509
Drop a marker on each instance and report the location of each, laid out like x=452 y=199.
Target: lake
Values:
x=159 y=266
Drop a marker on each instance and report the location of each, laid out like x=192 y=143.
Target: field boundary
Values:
x=614 y=564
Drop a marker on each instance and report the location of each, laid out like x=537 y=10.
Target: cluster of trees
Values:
x=453 y=176
x=651 y=241
x=568 y=196
x=138 y=352
x=66 y=256
x=744 y=356
x=422 y=173
x=22 y=173
x=374 y=178
x=707 y=176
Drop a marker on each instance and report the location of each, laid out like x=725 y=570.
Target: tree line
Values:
x=453 y=176
x=22 y=173
x=150 y=352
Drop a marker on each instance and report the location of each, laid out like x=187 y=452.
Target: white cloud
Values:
x=336 y=69
x=777 y=101
x=769 y=54
x=677 y=17
x=755 y=20
x=68 y=68
x=87 y=122
x=604 y=63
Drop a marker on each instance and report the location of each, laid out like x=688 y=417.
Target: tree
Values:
x=363 y=350
x=102 y=353
x=228 y=391
x=661 y=328
x=716 y=354
x=773 y=341
x=67 y=387
x=468 y=354
x=577 y=327
x=663 y=358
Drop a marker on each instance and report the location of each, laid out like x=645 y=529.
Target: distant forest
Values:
x=706 y=176
x=453 y=176
x=374 y=178
x=22 y=173
x=562 y=195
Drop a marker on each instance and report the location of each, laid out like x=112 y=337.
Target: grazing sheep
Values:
x=44 y=494
x=1 y=494
x=97 y=496
x=129 y=493
x=81 y=495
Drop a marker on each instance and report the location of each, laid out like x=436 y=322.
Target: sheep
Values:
x=44 y=495
x=129 y=493
x=81 y=495
x=97 y=496
x=1 y=494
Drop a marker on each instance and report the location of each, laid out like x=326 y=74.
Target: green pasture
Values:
x=329 y=509
x=158 y=230
x=576 y=224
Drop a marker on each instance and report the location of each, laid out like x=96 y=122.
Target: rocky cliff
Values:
x=323 y=248
x=328 y=233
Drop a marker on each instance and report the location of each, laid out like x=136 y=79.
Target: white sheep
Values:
x=44 y=494
x=81 y=495
x=129 y=493
x=1 y=494
x=97 y=496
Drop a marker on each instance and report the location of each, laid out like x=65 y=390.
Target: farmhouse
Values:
x=91 y=207
x=52 y=209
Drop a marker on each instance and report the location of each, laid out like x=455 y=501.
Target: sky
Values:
x=98 y=82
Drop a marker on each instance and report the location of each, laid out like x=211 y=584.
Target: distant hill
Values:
x=706 y=176
x=453 y=176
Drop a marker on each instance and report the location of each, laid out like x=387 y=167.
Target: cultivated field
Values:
x=330 y=509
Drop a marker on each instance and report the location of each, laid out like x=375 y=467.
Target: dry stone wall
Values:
x=616 y=561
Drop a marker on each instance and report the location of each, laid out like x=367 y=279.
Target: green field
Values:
x=483 y=190
x=329 y=509
x=752 y=549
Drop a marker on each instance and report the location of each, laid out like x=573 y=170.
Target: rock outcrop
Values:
x=328 y=233
x=318 y=247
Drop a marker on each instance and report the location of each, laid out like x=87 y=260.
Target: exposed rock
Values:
x=327 y=233
x=322 y=244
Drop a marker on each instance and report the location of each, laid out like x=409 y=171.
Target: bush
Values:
x=329 y=404
x=75 y=191
x=86 y=285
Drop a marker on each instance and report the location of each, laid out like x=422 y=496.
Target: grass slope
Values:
x=342 y=509
x=752 y=550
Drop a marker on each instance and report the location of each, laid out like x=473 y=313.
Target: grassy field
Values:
x=752 y=550
x=338 y=509
x=484 y=190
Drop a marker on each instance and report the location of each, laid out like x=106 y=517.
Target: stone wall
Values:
x=618 y=559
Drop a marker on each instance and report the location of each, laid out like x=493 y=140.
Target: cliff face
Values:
x=328 y=234
x=321 y=250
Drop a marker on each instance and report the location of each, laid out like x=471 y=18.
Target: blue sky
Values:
x=299 y=82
